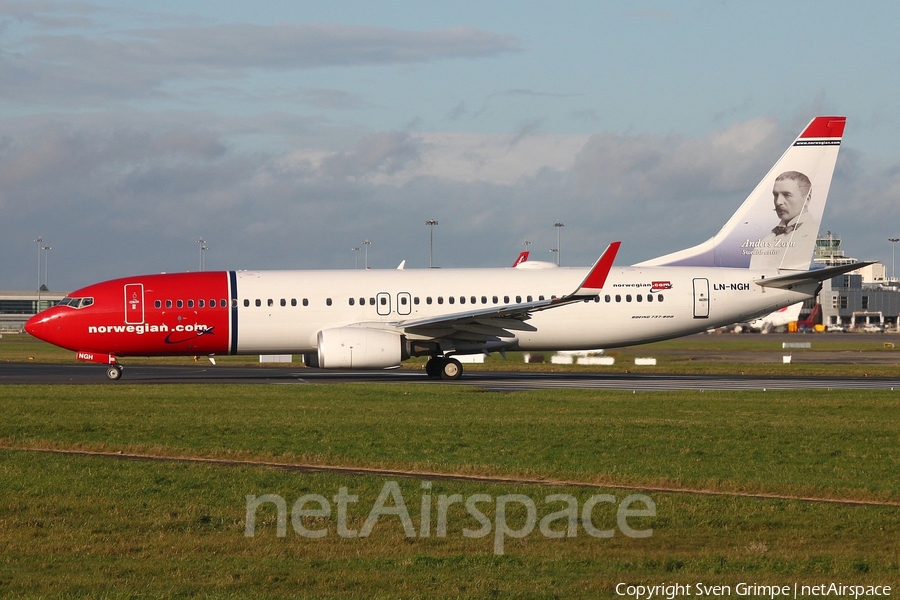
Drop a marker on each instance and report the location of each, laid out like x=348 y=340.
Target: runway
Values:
x=82 y=374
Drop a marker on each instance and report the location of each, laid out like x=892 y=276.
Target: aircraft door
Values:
x=134 y=303
x=404 y=303
x=701 y=298
x=383 y=304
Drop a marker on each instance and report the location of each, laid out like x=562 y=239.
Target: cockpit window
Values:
x=76 y=302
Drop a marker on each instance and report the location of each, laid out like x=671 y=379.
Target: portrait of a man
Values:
x=791 y=197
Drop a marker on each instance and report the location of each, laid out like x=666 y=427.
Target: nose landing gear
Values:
x=114 y=372
x=444 y=367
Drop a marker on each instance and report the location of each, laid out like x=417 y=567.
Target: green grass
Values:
x=75 y=526
x=817 y=442
x=101 y=528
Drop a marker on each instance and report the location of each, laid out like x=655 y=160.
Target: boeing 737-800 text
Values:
x=375 y=319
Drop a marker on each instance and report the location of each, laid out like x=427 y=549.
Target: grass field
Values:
x=75 y=526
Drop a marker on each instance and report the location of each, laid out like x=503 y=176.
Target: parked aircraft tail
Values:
x=796 y=188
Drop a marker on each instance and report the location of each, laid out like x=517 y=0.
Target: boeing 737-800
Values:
x=375 y=319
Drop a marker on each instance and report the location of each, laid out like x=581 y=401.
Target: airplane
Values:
x=779 y=318
x=376 y=319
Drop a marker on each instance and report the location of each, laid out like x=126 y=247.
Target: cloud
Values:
x=120 y=194
x=71 y=69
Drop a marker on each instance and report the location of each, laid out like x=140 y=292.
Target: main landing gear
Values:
x=444 y=367
x=114 y=372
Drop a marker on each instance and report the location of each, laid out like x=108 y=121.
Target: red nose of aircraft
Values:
x=46 y=326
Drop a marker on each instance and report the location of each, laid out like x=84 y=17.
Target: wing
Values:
x=495 y=323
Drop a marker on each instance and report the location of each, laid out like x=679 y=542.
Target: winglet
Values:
x=523 y=256
x=599 y=272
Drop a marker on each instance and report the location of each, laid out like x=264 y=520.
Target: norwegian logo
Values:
x=659 y=286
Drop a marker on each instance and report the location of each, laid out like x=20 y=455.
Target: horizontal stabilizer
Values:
x=805 y=277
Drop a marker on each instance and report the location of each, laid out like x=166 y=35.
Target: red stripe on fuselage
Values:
x=148 y=315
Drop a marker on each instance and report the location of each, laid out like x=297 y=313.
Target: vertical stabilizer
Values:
x=776 y=226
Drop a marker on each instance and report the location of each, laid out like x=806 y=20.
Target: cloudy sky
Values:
x=286 y=133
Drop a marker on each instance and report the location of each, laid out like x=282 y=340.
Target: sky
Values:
x=285 y=134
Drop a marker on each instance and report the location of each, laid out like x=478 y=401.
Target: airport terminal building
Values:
x=865 y=299
x=18 y=307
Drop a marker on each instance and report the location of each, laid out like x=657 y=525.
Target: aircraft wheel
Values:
x=451 y=369
x=433 y=367
x=114 y=372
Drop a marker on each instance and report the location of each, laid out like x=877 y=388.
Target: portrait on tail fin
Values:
x=792 y=197
x=752 y=238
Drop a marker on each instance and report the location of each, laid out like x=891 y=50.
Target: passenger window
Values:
x=607 y=298
x=246 y=302
x=362 y=301
x=484 y=299
x=168 y=304
x=627 y=297
x=371 y=301
x=283 y=302
x=649 y=297
x=473 y=299
x=659 y=297
x=462 y=299
x=306 y=302
x=495 y=300
x=440 y=299
x=233 y=303
x=201 y=303
x=451 y=299
x=157 y=304
x=270 y=302
x=179 y=303
x=518 y=299
x=505 y=299
x=416 y=300
x=403 y=300
x=352 y=301
x=223 y=303
x=428 y=300
x=529 y=299
x=327 y=301
x=293 y=302
x=618 y=298
x=639 y=298
x=383 y=301
x=258 y=302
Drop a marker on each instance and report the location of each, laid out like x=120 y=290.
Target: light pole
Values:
x=431 y=223
x=526 y=243
x=893 y=242
x=355 y=251
x=203 y=249
x=47 y=250
x=559 y=225
x=39 y=240
x=367 y=243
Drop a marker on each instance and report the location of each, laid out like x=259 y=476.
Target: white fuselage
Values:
x=283 y=311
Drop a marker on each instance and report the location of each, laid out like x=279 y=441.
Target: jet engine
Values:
x=358 y=348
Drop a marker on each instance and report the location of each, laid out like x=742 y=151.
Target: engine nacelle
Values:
x=359 y=348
